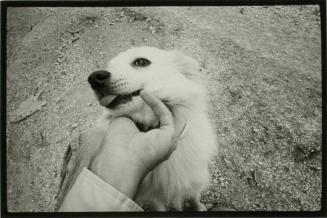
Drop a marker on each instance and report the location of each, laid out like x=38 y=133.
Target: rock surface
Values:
x=264 y=68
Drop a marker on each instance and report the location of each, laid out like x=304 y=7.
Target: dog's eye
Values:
x=141 y=62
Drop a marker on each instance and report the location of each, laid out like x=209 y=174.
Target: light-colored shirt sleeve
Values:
x=91 y=193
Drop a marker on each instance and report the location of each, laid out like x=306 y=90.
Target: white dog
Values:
x=176 y=80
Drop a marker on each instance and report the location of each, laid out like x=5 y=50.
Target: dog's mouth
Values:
x=113 y=100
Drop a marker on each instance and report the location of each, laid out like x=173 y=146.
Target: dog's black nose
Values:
x=98 y=78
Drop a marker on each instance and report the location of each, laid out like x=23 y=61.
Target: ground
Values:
x=264 y=69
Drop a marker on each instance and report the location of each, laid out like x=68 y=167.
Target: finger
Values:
x=164 y=115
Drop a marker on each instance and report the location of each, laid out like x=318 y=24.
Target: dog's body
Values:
x=175 y=79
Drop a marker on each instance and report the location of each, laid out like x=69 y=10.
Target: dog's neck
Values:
x=184 y=115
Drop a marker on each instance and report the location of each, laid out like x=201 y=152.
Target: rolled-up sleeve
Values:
x=91 y=193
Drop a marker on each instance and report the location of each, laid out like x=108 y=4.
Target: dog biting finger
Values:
x=164 y=115
x=179 y=107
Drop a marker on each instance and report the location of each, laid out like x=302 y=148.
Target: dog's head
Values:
x=170 y=75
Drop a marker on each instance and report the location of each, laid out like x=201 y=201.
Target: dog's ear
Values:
x=187 y=65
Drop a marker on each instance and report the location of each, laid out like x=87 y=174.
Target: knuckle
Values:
x=121 y=120
x=171 y=137
x=173 y=147
x=172 y=133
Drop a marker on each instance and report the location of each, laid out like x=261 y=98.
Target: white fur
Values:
x=175 y=79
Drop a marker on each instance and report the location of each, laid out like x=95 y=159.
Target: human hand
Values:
x=127 y=155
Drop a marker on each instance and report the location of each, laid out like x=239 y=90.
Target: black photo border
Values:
x=141 y=3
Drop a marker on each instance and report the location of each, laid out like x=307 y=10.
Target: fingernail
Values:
x=144 y=91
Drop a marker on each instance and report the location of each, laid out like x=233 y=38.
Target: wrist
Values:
x=119 y=173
